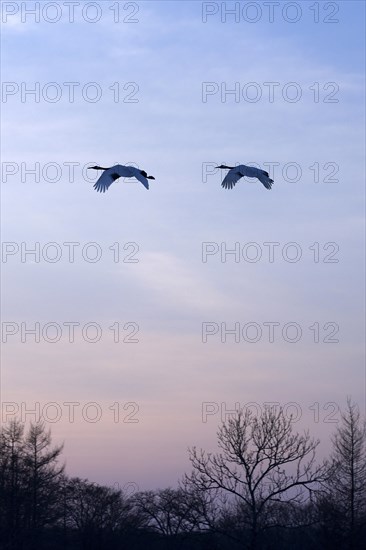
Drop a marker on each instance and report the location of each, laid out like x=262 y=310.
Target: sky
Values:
x=142 y=318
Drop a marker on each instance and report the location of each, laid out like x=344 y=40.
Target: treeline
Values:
x=264 y=489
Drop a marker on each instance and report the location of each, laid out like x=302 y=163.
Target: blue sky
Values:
x=172 y=134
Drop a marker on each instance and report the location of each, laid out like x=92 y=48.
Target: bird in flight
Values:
x=112 y=174
x=237 y=172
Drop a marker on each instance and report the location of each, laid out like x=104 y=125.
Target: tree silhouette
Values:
x=251 y=467
x=29 y=483
x=98 y=513
x=169 y=512
x=261 y=490
x=12 y=483
x=43 y=475
x=343 y=504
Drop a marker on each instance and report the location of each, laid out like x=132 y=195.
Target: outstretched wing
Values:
x=140 y=177
x=231 y=178
x=106 y=179
x=267 y=182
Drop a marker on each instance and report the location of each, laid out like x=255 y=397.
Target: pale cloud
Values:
x=173 y=281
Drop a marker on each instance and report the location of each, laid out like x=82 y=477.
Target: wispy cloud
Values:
x=171 y=280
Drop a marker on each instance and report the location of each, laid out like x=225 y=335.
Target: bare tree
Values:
x=168 y=511
x=206 y=508
x=43 y=475
x=29 y=483
x=97 y=513
x=12 y=483
x=251 y=467
x=343 y=505
x=89 y=508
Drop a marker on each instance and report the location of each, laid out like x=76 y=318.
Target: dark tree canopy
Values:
x=263 y=489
